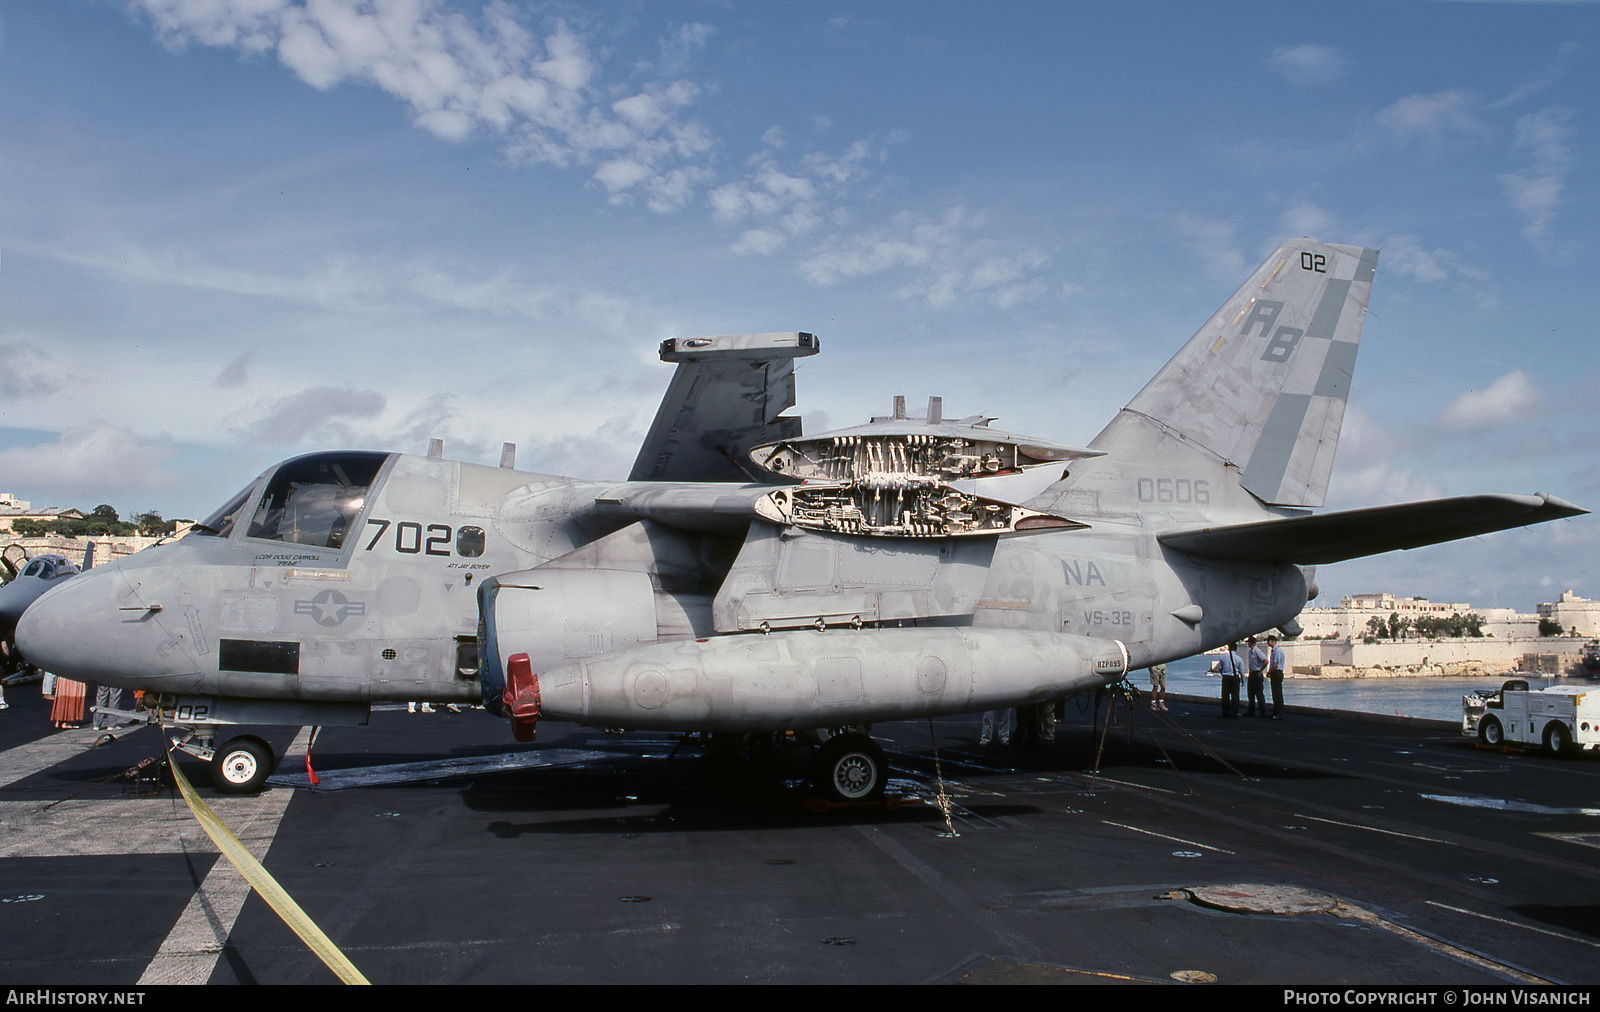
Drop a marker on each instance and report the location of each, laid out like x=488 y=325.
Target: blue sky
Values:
x=233 y=230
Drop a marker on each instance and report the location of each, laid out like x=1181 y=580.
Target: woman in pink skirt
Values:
x=67 y=710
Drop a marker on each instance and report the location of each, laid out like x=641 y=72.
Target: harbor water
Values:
x=1436 y=698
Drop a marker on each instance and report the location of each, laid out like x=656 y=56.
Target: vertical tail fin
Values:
x=1263 y=384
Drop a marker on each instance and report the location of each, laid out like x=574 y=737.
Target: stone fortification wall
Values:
x=1473 y=657
x=105 y=549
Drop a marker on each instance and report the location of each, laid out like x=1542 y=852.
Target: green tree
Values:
x=29 y=528
x=151 y=525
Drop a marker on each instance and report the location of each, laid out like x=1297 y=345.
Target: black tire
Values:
x=1557 y=739
x=1489 y=730
x=242 y=766
x=850 y=767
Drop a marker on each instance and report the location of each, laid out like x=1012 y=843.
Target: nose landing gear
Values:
x=242 y=765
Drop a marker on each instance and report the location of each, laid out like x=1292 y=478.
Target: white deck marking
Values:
x=91 y=827
x=189 y=953
x=37 y=756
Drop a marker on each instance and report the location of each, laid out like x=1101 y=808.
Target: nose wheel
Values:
x=242 y=765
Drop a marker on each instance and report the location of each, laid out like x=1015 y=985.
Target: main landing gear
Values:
x=849 y=767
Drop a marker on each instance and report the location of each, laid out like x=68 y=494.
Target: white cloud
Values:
x=1308 y=65
x=1407 y=256
x=1365 y=473
x=320 y=415
x=87 y=461
x=545 y=98
x=948 y=258
x=1378 y=483
x=1305 y=218
x=344 y=284
x=1512 y=398
x=1214 y=243
x=783 y=199
x=23 y=373
x=1431 y=117
x=1535 y=192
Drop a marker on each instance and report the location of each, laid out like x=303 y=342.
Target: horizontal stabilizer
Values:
x=1351 y=534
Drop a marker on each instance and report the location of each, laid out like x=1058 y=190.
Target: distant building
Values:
x=1573 y=612
x=13 y=509
x=1334 y=641
x=1350 y=619
x=106 y=546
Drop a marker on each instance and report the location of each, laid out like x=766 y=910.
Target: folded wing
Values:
x=727 y=396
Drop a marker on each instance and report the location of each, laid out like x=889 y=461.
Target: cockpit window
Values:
x=221 y=522
x=34 y=568
x=314 y=500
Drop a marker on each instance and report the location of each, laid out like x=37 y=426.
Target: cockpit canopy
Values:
x=48 y=567
x=312 y=500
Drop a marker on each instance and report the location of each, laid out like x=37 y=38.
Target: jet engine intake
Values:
x=560 y=615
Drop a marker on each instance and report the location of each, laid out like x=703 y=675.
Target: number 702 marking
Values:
x=408 y=537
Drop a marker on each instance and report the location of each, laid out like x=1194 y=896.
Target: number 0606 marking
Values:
x=1175 y=490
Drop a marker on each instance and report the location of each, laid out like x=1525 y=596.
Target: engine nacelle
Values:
x=803 y=679
x=556 y=616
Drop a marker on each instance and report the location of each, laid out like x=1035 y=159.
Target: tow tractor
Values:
x=1562 y=719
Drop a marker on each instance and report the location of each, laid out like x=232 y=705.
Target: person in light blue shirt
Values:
x=1257 y=656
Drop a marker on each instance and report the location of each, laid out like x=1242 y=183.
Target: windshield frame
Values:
x=222 y=521
x=243 y=531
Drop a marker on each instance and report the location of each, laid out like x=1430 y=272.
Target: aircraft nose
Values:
x=80 y=630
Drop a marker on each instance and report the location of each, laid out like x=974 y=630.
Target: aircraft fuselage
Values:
x=387 y=611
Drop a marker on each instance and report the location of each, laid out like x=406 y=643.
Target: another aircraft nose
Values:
x=81 y=630
x=11 y=608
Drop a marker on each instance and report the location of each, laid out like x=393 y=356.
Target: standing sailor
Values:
x=1275 y=674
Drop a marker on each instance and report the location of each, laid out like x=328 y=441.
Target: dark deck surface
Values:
x=635 y=868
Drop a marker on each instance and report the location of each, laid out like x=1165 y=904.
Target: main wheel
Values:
x=1557 y=739
x=241 y=766
x=850 y=767
x=1489 y=730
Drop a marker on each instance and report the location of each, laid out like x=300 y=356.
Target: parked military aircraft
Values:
x=750 y=578
x=26 y=581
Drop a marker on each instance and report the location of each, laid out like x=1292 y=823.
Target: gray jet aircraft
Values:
x=750 y=579
x=26 y=581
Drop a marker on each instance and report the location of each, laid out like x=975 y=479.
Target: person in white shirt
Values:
x=1233 y=669
x=1275 y=674
x=1258 y=672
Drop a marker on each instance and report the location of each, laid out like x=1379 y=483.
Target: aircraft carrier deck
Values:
x=1408 y=856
